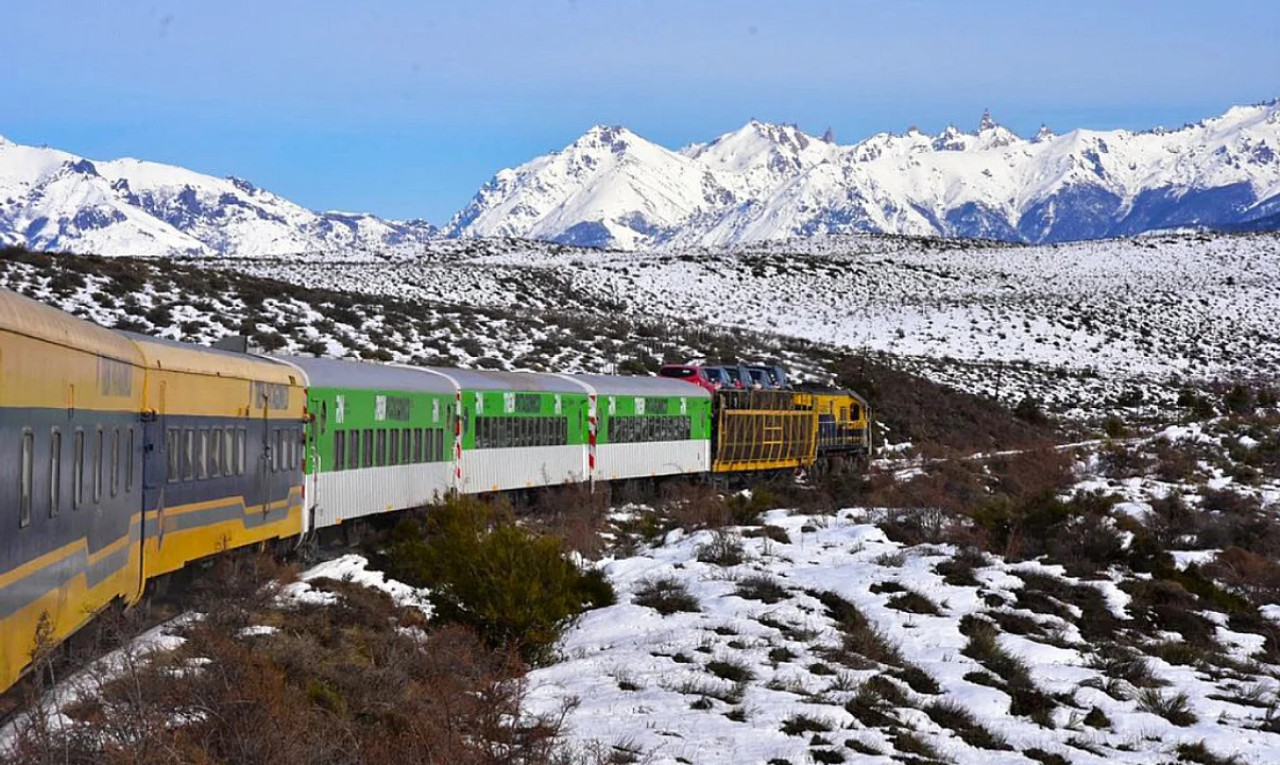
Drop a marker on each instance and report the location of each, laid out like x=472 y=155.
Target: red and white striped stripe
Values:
x=457 y=438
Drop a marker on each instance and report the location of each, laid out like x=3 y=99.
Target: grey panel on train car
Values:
x=346 y=373
x=532 y=382
x=642 y=386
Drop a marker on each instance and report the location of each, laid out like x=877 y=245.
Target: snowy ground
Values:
x=1094 y=319
x=649 y=683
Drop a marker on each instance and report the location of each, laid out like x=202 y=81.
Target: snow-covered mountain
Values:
x=53 y=200
x=614 y=188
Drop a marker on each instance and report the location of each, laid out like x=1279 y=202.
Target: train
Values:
x=126 y=458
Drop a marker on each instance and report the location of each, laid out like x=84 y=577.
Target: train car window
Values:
x=228 y=452
x=172 y=455
x=393 y=458
x=27 y=478
x=368 y=447
x=202 y=454
x=339 y=450
x=353 y=449
x=382 y=447
x=55 y=473
x=188 y=454
x=406 y=445
x=215 y=452
x=128 y=463
x=77 y=469
x=278 y=457
x=417 y=444
x=115 y=462
x=97 y=464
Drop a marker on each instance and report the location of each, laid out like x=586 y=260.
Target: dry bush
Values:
x=1118 y=460
x=1175 y=462
x=693 y=506
x=935 y=416
x=1231 y=519
x=574 y=514
x=345 y=684
x=1256 y=576
x=1033 y=472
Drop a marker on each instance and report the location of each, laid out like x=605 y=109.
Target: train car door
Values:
x=157 y=450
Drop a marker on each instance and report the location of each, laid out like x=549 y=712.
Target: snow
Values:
x=351 y=568
x=86 y=682
x=636 y=673
x=1076 y=325
x=769 y=182
x=54 y=200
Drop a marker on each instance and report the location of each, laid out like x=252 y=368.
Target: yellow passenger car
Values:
x=70 y=476
x=223 y=463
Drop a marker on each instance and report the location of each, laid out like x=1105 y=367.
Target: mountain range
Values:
x=53 y=200
x=613 y=188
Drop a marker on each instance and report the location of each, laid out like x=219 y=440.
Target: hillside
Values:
x=1087 y=328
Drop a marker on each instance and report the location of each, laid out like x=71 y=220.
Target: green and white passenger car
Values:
x=389 y=437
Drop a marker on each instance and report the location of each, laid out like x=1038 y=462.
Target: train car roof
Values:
x=830 y=390
x=174 y=356
x=531 y=382
x=24 y=316
x=349 y=373
x=642 y=386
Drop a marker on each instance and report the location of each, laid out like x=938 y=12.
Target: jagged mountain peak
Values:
x=59 y=201
x=614 y=138
x=772 y=181
x=1045 y=133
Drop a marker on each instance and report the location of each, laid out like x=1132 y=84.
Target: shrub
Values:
x=800 y=724
x=1200 y=753
x=954 y=716
x=666 y=596
x=1174 y=708
x=733 y=671
x=762 y=588
x=959 y=571
x=1047 y=758
x=724 y=549
x=1096 y=718
x=914 y=603
x=486 y=572
x=861 y=641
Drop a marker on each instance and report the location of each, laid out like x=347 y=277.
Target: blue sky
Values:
x=404 y=107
